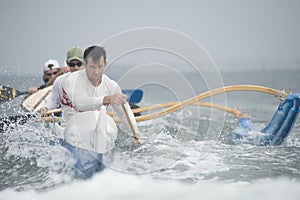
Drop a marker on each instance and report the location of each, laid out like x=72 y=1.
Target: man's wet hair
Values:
x=94 y=52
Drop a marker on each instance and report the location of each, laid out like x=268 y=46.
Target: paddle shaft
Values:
x=135 y=135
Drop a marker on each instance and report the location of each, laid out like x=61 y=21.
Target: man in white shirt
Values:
x=74 y=62
x=87 y=93
x=90 y=89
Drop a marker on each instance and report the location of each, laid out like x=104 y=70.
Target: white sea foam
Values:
x=112 y=185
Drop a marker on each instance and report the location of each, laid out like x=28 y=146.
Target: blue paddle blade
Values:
x=133 y=96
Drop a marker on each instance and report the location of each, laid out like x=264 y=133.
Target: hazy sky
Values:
x=234 y=32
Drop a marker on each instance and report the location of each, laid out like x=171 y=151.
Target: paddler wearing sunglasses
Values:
x=74 y=62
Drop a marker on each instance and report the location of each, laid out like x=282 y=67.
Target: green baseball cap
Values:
x=75 y=53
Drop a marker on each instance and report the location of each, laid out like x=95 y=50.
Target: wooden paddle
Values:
x=8 y=93
x=135 y=135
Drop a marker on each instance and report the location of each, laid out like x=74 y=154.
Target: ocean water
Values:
x=187 y=154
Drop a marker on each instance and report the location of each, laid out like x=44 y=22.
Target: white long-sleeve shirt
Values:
x=80 y=95
x=55 y=97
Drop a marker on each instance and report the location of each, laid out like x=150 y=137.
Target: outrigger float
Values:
x=103 y=132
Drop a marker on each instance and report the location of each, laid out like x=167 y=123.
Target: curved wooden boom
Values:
x=179 y=105
x=174 y=106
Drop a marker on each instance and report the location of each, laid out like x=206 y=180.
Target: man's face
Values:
x=94 y=70
x=74 y=65
x=49 y=74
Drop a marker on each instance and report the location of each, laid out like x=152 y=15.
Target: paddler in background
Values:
x=51 y=69
x=74 y=62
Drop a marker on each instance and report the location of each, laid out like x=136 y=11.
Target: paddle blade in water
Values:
x=8 y=93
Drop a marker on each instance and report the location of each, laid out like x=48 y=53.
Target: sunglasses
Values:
x=50 y=74
x=73 y=64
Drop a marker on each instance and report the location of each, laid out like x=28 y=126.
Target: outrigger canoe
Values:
x=275 y=133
